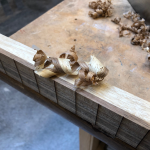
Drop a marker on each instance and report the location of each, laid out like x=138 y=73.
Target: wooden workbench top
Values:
x=68 y=24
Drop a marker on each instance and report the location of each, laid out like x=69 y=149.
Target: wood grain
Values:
x=118 y=101
x=47 y=87
x=10 y=67
x=127 y=64
x=27 y=76
x=131 y=133
x=85 y=108
x=145 y=144
x=16 y=51
x=65 y=94
x=108 y=121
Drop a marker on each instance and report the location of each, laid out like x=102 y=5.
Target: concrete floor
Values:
x=24 y=123
x=27 y=125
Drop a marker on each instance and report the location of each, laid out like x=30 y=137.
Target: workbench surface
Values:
x=58 y=30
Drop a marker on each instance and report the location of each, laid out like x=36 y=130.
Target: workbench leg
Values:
x=89 y=142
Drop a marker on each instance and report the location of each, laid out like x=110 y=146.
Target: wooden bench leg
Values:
x=89 y=142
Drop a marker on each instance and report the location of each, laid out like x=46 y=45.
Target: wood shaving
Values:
x=91 y=73
x=138 y=27
x=39 y=59
x=101 y=9
x=65 y=64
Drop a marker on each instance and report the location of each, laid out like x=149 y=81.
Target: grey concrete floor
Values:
x=27 y=125
x=24 y=123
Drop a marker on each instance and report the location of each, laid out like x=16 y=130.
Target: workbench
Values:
x=117 y=111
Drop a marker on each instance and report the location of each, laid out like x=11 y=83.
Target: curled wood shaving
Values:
x=116 y=20
x=85 y=79
x=91 y=73
x=138 y=27
x=70 y=54
x=66 y=64
x=131 y=15
x=101 y=9
x=39 y=59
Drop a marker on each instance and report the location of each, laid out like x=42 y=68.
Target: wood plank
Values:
x=10 y=67
x=145 y=143
x=108 y=121
x=86 y=108
x=47 y=87
x=27 y=76
x=1 y=67
x=131 y=133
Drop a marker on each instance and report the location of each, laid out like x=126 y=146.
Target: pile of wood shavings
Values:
x=89 y=73
x=138 y=27
x=101 y=9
